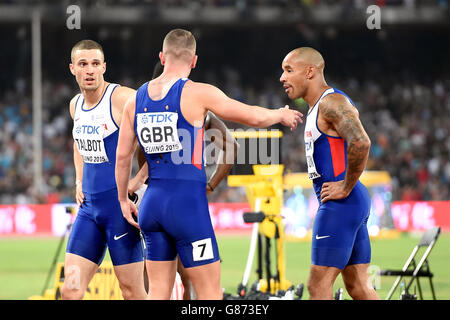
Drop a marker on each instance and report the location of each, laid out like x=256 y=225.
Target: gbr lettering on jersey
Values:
x=92 y=126
x=157 y=132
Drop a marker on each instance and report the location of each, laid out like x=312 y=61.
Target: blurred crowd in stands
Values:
x=239 y=3
x=405 y=114
x=411 y=142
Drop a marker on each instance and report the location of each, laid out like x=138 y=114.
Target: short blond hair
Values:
x=180 y=44
x=86 y=45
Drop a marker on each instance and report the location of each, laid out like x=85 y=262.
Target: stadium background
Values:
x=398 y=76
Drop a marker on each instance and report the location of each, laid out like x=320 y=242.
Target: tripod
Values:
x=69 y=210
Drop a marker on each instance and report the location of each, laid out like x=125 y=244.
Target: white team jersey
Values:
x=92 y=126
x=312 y=133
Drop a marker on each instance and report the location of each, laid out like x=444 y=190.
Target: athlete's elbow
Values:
x=359 y=146
x=122 y=159
x=365 y=144
x=368 y=143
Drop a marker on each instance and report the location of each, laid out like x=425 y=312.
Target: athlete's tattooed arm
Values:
x=339 y=113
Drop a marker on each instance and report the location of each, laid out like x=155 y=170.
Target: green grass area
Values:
x=386 y=254
x=25 y=262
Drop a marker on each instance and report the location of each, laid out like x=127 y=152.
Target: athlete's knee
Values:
x=355 y=292
x=127 y=292
x=314 y=287
x=315 y=283
x=359 y=290
x=207 y=290
x=71 y=293
x=132 y=292
x=160 y=290
x=209 y=293
x=319 y=287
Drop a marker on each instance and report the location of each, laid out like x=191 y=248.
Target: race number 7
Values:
x=202 y=250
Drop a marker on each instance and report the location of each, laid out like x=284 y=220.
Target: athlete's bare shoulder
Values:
x=203 y=92
x=342 y=116
x=119 y=98
x=120 y=95
x=194 y=85
x=335 y=106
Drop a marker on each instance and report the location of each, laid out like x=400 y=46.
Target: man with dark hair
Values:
x=337 y=149
x=97 y=113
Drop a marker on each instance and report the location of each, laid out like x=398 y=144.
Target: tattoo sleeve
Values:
x=343 y=117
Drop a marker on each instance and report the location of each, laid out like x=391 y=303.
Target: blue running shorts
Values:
x=100 y=224
x=340 y=236
x=174 y=219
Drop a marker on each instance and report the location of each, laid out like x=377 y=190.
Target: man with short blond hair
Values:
x=180 y=44
x=166 y=117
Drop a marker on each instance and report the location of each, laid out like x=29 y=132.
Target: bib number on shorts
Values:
x=202 y=250
x=157 y=132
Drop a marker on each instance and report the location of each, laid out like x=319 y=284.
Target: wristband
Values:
x=77 y=182
x=209 y=184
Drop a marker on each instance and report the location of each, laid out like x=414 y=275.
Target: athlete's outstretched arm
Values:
x=124 y=155
x=216 y=101
x=344 y=117
x=222 y=138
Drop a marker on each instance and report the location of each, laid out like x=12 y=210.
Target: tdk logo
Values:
x=86 y=129
x=157 y=118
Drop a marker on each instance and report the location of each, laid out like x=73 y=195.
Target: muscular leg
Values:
x=206 y=281
x=189 y=293
x=357 y=283
x=78 y=272
x=161 y=278
x=131 y=280
x=320 y=282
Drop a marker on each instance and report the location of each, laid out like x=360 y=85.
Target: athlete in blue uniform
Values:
x=337 y=149
x=167 y=117
x=96 y=113
x=224 y=142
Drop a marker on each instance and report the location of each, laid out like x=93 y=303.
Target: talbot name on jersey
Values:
x=87 y=129
x=89 y=145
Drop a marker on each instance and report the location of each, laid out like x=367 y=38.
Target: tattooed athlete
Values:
x=337 y=149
